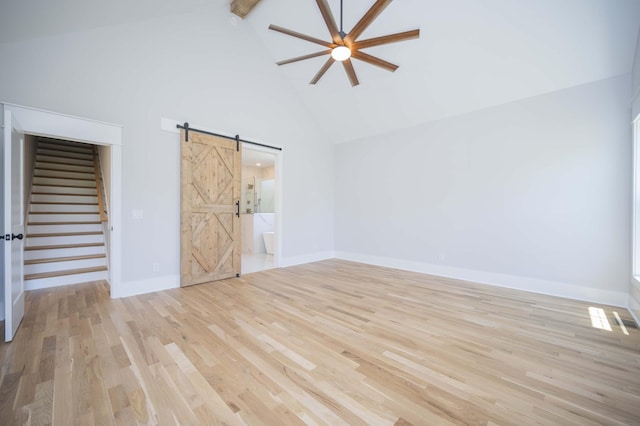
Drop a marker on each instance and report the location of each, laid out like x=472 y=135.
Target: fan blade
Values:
x=330 y=21
x=302 y=58
x=366 y=20
x=391 y=38
x=302 y=36
x=351 y=73
x=374 y=61
x=323 y=70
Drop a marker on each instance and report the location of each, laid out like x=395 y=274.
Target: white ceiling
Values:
x=471 y=54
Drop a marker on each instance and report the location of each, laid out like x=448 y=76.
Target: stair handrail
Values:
x=96 y=169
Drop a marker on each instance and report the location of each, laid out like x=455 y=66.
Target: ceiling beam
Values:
x=243 y=7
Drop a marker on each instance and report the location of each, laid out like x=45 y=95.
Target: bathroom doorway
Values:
x=259 y=209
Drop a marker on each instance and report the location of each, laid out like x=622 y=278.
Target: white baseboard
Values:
x=634 y=309
x=305 y=258
x=534 y=285
x=150 y=285
x=42 y=283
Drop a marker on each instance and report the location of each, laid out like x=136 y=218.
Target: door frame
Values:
x=56 y=125
x=277 y=197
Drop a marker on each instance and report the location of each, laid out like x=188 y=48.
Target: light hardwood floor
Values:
x=331 y=343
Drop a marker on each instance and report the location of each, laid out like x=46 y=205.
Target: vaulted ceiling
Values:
x=470 y=55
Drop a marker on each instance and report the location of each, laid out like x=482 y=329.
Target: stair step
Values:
x=63 y=182
x=64 y=154
x=64 y=228
x=60 y=147
x=64 y=259
x=91 y=178
x=59 y=203
x=68 y=272
x=66 y=199
x=63 y=190
x=64 y=143
x=64 y=251
x=56 y=200
x=62 y=234
x=62 y=160
x=69 y=263
x=48 y=240
x=64 y=208
x=64 y=223
x=62 y=246
x=65 y=167
x=41 y=283
x=68 y=174
x=47 y=218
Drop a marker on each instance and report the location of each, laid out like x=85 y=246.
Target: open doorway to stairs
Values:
x=67 y=231
x=78 y=132
x=259 y=209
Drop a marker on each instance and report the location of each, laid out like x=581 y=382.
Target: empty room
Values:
x=320 y=212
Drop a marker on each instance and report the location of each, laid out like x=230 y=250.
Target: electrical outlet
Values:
x=155 y=266
x=441 y=257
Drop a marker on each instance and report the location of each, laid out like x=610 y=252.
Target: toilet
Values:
x=269 y=241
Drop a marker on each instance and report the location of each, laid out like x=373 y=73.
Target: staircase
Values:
x=65 y=241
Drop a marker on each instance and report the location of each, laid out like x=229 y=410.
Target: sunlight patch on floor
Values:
x=599 y=319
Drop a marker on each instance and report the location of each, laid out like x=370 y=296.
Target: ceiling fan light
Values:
x=341 y=53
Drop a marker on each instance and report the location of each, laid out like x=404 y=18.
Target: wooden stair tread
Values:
x=67 y=272
x=65 y=178
x=62 y=203
x=63 y=213
x=62 y=185
x=63 y=234
x=52 y=141
x=63 y=193
x=49 y=169
x=63 y=246
x=60 y=147
x=63 y=223
x=57 y=153
x=64 y=259
x=62 y=164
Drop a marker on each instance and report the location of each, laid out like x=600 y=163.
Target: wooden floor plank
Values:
x=332 y=342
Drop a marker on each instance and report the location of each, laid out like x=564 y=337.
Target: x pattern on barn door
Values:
x=211 y=168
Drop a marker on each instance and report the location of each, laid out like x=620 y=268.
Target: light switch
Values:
x=137 y=214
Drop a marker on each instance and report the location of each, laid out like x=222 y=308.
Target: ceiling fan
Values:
x=345 y=46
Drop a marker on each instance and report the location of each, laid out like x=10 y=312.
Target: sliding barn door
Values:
x=210 y=197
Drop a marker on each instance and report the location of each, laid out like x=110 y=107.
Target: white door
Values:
x=12 y=244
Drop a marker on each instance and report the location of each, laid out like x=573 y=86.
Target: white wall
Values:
x=177 y=66
x=635 y=109
x=533 y=194
x=29 y=162
x=634 y=293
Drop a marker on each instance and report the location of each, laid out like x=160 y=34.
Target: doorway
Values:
x=108 y=138
x=259 y=212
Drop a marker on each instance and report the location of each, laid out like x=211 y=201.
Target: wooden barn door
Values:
x=210 y=219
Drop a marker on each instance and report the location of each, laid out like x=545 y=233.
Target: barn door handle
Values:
x=238 y=208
